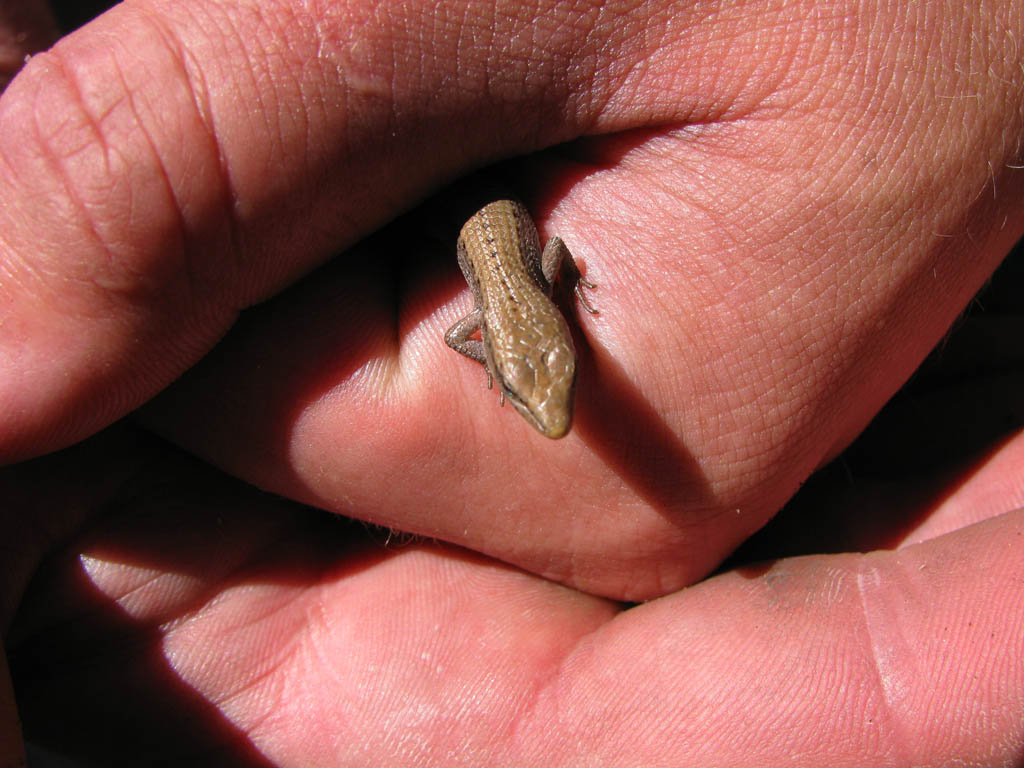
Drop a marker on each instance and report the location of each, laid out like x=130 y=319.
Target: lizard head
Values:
x=541 y=386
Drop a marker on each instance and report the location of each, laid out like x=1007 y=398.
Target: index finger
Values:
x=172 y=163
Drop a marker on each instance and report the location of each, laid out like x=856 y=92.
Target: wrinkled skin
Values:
x=784 y=208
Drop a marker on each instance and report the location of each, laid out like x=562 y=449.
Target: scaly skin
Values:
x=525 y=342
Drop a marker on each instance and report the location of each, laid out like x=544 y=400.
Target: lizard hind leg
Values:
x=458 y=338
x=556 y=258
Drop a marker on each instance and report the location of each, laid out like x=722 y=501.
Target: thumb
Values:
x=169 y=164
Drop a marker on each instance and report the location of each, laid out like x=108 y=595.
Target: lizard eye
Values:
x=560 y=361
x=520 y=377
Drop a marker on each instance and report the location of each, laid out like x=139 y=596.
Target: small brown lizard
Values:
x=525 y=343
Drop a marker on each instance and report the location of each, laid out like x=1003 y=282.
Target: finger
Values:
x=180 y=539
x=49 y=500
x=730 y=360
x=910 y=657
x=843 y=660
x=194 y=158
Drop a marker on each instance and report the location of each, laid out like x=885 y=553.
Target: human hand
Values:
x=807 y=317
x=200 y=622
